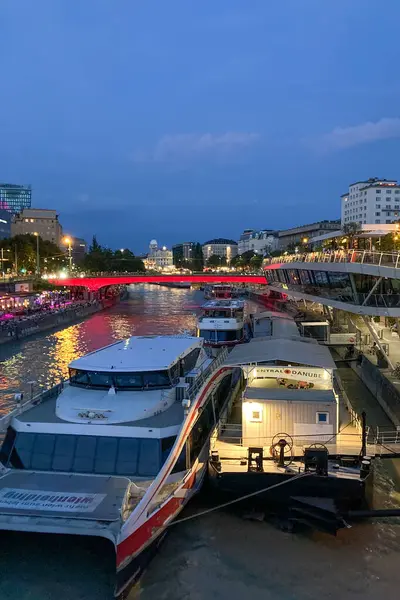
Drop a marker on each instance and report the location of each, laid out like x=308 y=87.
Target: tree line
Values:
x=102 y=259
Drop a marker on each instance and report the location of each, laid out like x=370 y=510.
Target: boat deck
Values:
x=89 y=497
x=46 y=413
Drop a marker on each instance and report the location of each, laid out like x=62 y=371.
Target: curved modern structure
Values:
x=361 y=282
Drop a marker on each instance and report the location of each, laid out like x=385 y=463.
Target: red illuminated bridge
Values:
x=97 y=282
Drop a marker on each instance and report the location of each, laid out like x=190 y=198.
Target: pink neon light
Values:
x=95 y=283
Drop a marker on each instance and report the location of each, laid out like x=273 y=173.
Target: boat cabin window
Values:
x=141 y=457
x=220 y=335
x=127 y=381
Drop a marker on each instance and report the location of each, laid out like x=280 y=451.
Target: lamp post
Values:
x=37 y=253
x=67 y=240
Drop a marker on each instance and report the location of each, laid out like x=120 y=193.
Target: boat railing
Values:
x=387 y=259
x=198 y=384
x=22 y=407
x=355 y=420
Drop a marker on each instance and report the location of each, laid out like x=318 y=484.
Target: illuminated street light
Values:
x=67 y=241
x=35 y=233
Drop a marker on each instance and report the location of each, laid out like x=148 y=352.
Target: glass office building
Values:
x=14 y=198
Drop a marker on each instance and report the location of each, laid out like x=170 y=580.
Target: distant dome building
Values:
x=222 y=247
x=158 y=258
x=153 y=246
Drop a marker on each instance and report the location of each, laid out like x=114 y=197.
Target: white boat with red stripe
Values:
x=117 y=450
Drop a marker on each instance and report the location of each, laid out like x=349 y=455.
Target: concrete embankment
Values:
x=56 y=320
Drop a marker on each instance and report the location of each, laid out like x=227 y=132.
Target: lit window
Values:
x=322 y=418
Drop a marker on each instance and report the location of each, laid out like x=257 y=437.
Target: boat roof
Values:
x=283 y=394
x=138 y=353
x=289 y=351
x=271 y=314
x=223 y=304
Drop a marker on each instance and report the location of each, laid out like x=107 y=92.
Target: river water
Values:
x=219 y=556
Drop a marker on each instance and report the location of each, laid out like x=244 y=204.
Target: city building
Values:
x=158 y=258
x=182 y=252
x=41 y=221
x=371 y=201
x=5 y=223
x=261 y=242
x=78 y=248
x=14 y=198
x=304 y=233
x=220 y=247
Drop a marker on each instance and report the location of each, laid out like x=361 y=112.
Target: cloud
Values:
x=346 y=137
x=189 y=146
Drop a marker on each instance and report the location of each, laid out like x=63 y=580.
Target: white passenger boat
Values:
x=222 y=323
x=118 y=450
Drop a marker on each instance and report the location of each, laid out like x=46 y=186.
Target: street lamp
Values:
x=35 y=233
x=67 y=241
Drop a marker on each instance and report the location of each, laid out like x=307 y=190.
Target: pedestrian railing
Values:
x=387 y=259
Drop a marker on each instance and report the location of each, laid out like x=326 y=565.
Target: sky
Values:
x=185 y=120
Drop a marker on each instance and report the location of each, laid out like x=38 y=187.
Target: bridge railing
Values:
x=387 y=259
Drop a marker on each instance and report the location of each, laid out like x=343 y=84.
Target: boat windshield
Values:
x=125 y=381
x=141 y=457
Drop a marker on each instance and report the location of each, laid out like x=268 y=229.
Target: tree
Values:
x=256 y=262
x=102 y=259
x=216 y=261
x=350 y=231
x=23 y=250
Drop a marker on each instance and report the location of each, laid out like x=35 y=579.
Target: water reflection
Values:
x=44 y=358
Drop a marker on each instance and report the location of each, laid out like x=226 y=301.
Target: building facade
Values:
x=261 y=242
x=5 y=223
x=372 y=201
x=304 y=234
x=40 y=221
x=158 y=258
x=182 y=252
x=14 y=198
x=221 y=247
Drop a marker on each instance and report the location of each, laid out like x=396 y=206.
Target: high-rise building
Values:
x=41 y=221
x=14 y=198
x=372 y=201
x=182 y=252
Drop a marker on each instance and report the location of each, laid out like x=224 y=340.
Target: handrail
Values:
x=38 y=399
x=387 y=259
x=198 y=384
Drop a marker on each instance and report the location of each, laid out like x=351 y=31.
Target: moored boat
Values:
x=118 y=450
x=222 y=323
x=287 y=432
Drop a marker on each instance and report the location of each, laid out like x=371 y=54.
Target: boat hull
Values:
x=347 y=494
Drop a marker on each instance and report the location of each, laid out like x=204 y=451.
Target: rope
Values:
x=236 y=500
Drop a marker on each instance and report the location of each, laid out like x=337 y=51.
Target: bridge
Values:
x=96 y=282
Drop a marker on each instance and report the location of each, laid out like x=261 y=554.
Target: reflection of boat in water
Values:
x=286 y=431
x=222 y=323
x=118 y=450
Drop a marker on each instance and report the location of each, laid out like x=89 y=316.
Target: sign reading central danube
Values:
x=298 y=373
x=53 y=501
